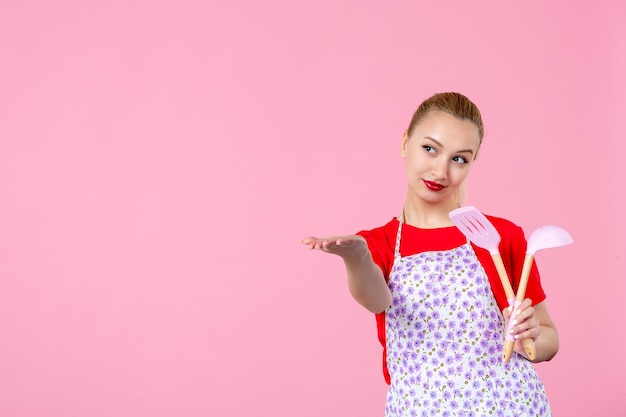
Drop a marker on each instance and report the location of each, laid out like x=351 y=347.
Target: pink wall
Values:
x=160 y=162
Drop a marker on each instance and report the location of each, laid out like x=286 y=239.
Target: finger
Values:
x=531 y=333
x=309 y=241
x=327 y=244
x=319 y=244
x=315 y=244
x=522 y=309
x=524 y=320
x=528 y=328
x=520 y=326
x=526 y=304
x=508 y=312
x=526 y=314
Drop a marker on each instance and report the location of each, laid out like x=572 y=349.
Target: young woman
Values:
x=439 y=304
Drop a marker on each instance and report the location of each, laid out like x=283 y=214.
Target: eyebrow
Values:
x=439 y=143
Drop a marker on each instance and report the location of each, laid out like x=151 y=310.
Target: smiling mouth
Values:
x=433 y=186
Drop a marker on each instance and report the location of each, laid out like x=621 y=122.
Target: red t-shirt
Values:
x=381 y=242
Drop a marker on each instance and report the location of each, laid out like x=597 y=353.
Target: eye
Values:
x=429 y=148
x=460 y=160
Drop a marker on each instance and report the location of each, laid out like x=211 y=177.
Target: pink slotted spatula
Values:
x=543 y=237
x=479 y=230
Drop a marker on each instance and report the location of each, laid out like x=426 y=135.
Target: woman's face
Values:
x=438 y=155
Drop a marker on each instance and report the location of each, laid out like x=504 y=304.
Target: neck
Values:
x=428 y=215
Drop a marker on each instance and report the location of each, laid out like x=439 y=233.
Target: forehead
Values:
x=448 y=129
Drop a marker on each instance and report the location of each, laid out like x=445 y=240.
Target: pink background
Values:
x=160 y=162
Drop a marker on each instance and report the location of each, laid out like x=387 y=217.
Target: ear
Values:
x=403 y=145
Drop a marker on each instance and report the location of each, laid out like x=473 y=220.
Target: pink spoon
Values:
x=544 y=237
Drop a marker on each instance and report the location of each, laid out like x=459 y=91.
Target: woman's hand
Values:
x=344 y=246
x=533 y=322
x=525 y=325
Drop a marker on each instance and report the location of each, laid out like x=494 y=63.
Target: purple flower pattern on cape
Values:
x=444 y=337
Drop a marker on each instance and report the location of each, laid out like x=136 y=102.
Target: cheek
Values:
x=413 y=171
x=458 y=175
x=416 y=160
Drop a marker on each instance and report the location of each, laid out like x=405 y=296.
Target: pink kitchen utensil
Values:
x=544 y=237
x=479 y=230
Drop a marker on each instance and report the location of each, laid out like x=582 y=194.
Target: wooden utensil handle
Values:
x=529 y=348
x=504 y=278
x=523 y=281
x=529 y=345
x=507 y=350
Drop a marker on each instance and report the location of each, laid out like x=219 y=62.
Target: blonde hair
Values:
x=458 y=106
x=455 y=104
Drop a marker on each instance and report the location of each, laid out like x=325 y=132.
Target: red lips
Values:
x=433 y=186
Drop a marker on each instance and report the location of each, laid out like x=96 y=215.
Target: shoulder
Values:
x=510 y=232
x=502 y=224
x=381 y=232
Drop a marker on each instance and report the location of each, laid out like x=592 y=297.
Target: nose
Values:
x=439 y=169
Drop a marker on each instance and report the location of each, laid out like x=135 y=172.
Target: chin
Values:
x=439 y=197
